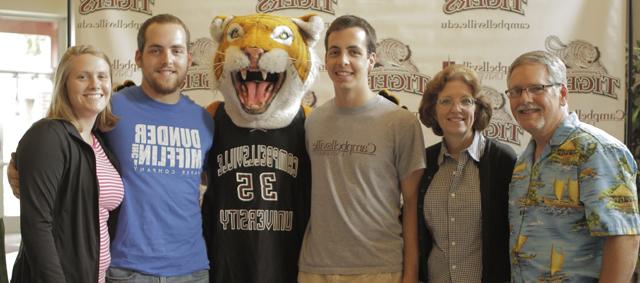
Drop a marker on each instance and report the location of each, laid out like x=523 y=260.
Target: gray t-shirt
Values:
x=358 y=157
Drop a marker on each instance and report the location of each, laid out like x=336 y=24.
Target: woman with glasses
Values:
x=462 y=207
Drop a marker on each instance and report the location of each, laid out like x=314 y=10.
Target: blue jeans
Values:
x=119 y=275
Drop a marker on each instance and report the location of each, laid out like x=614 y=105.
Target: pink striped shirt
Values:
x=111 y=192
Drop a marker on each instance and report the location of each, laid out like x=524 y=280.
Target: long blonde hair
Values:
x=60 y=107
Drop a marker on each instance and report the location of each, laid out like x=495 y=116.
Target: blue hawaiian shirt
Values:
x=562 y=207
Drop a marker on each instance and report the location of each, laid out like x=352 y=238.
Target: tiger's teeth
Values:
x=243 y=73
x=264 y=75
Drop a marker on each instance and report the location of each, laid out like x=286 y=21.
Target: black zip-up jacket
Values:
x=58 y=205
x=496 y=167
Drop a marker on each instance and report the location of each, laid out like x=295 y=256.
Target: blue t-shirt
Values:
x=161 y=149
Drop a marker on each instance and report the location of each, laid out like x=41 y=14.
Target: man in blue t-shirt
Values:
x=161 y=142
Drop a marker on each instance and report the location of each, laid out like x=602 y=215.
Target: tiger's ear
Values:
x=311 y=25
x=218 y=24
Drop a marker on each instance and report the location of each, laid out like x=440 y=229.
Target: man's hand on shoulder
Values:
x=12 y=175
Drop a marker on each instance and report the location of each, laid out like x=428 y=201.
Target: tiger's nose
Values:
x=254 y=55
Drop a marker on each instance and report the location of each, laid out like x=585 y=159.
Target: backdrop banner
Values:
x=416 y=39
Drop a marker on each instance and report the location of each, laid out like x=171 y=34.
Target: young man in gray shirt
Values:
x=367 y=159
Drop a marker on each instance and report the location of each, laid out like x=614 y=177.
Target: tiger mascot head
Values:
x=263 y=66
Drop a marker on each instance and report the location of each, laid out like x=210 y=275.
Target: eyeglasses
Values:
x=465 y=101
x=536 y=89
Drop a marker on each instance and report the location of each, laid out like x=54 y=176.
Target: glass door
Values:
x=26 y=71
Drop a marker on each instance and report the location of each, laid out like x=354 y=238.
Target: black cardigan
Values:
x=496 y=167
x=59 y=205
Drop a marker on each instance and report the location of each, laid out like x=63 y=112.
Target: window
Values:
x=27 y=63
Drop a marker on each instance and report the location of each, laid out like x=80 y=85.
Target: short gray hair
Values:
x=555 y=67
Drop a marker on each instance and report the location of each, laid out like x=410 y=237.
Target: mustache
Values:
x=527 y=106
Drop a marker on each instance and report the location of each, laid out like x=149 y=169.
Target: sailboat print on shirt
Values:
x=519 y=171
x=573 y=194
x=555 y=273
x=519 y=256
x=621 y=198
x=574 y=152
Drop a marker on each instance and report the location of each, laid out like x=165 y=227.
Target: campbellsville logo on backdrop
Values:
x=198 y=74
x=140 y=6
x=456 y=6
x=486 y=70
x=394 y=69
x=325 y=6
x=502 y=126
x=585 y=73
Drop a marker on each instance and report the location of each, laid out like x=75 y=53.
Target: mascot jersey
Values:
x=257 y=204
x=161 y=149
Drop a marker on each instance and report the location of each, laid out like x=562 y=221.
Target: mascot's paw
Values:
x=124 y=85
x=263 y=66
x=391 y=97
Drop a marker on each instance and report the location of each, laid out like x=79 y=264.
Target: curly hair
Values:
x=429 y=100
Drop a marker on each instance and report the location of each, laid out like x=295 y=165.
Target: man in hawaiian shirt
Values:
x=573 y=206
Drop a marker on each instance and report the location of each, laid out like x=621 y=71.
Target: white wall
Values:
x=50 y=7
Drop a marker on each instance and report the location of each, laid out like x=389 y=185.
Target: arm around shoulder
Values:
x=12 y=176
x=409 y=187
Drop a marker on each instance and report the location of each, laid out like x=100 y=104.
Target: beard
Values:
x=166 y=86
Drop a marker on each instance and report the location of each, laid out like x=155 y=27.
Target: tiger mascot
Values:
x=256 y=206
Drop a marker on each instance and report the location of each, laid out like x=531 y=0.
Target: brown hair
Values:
x=349 y=21
x=60 y=107
x=461 y=73
x=160 y=19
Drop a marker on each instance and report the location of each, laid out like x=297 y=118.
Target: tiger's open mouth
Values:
x=256 y=89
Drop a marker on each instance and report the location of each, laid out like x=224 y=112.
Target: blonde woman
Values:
x=68 y=181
